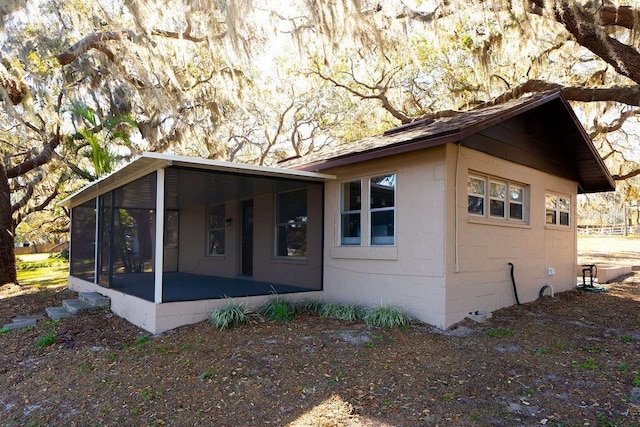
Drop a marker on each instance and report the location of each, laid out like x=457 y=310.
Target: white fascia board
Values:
x=138 y=168
x=150 y=162
x=219 y=165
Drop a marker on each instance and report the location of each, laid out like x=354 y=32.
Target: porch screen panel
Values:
x=127 y=230
x=83 y=241
x=133 y=236
x=291 y=214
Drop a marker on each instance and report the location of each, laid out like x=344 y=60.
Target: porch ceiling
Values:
x=234 y=180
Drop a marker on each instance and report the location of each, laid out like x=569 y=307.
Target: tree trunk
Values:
x=7 y=253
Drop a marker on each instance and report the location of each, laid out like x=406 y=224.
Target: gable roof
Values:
x=564 y=137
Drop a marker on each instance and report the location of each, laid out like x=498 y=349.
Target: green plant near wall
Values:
x=232 y=315
x=349 y=312
x=277 y=309
x=387 y=317
x=311 y=307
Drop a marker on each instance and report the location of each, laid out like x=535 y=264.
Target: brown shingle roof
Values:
x=590 y=172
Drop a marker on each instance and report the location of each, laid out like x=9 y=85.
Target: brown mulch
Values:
x=569 y=360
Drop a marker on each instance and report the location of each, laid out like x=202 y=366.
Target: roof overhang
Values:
x=591 y=173
x=151 y=162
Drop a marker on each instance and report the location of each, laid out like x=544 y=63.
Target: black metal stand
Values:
x=588 y=268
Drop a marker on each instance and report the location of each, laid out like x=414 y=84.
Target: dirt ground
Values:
x=569 y=360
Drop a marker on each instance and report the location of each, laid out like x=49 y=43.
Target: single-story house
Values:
x=425 y=217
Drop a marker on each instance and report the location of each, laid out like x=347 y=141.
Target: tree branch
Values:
x=629 y=95
x=588 y=33
x=30 y=189
x=381 y=96
x=93 y=41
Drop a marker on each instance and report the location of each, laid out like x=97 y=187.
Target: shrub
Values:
x=54 y=260
x=348 y=312
x=387 y=317
x=308 y=307
x=277 y=309
x=234 y=314
x=46 y=340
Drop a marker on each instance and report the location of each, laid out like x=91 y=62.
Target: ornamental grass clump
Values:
x=348 y=312
x=229 y=316
x=311 y=307
x=387 y=317
x=277 y=309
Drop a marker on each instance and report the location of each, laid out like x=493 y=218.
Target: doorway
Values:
x=246 y=238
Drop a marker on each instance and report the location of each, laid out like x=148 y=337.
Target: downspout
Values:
x=513 y=282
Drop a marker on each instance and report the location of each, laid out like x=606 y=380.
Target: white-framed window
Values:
x=382 y=209
x=351 y=213
x=496 y=198
x=215 y=229
x=558 y=209
x=171 y=225
x=291 y=224
x=380 y=191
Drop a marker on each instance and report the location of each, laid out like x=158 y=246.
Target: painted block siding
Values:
x=411 y=274
x=420 y=273
x=485 y=247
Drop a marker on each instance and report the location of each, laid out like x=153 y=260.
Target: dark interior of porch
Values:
x=191 y=287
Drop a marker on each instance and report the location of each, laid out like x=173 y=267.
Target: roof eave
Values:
x=376 y=153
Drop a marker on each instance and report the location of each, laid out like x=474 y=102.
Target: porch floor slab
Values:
x=193 y=287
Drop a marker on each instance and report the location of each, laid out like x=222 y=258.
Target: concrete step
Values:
x=56 y=313
x=76 y=306
x=20 y=324
x=94 y=299
x=24 y=317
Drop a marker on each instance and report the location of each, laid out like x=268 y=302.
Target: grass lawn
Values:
x=44 y=277
x=41 y=270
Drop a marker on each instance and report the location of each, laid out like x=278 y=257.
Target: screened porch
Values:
x=169 y=229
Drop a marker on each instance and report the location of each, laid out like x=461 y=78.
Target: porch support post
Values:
x=159 y=249
x=96 y=244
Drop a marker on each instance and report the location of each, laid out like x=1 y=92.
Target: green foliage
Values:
x=94 y=141
x=387 y=317
x=44 y=277
x=589 y=364
x=209 y=373
x=542 y=351
x=277 y=309
x=4 y=330
x=54 y=260
x=500 y=332
x=467 y=41
x=627 y=338
x=138 y=341
x=46 y=339
x=231 y=315
x=308 y=307
x=349 y=312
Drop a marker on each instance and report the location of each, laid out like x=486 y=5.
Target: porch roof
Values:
x=150 y=162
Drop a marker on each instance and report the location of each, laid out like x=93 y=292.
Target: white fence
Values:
x=607 y=230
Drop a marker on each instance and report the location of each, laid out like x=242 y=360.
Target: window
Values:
x=382 y=196
x=351 y=213
x=505 y=199
x=380 y=211
x=291 y=223
x=171 y=222
x=215 y=228
x=558 y=209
